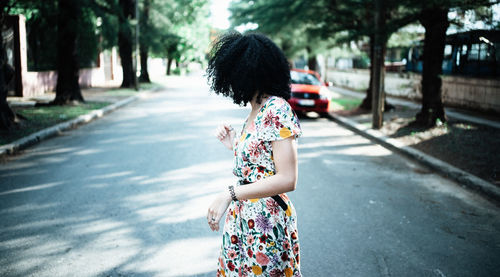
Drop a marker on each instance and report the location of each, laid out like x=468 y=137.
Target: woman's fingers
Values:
x=212 y=219
x=222 y=131
x=209 y=216
x=228 y=128
x=210 y=223
x=217 y=210
x=216 y=222
x=219 y=132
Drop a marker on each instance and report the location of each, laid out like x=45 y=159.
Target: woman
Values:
x=260 y=232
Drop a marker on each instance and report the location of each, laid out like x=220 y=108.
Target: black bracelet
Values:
x=231 y=191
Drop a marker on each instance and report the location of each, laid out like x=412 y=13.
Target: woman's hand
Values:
x=225 y=133
x=217 y=210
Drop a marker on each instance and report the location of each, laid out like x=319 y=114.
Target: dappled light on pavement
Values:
x=127 y=195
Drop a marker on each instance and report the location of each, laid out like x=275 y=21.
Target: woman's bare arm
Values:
x=285 y=179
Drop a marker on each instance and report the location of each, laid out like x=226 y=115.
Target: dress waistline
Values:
x=276 y=198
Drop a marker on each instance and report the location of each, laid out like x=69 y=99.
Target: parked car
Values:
x=309 y=94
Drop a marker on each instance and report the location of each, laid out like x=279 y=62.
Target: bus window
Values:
x=496 y=50
x=474 y=52
x=447 y=52
x=464 y=50
x=484 y=53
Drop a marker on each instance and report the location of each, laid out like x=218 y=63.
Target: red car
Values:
x=309 y=94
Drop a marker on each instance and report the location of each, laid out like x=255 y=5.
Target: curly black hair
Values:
x=242 y=65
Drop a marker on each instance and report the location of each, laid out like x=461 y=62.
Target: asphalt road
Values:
x=127 y=196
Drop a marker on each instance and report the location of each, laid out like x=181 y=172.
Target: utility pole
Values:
x=378 y=66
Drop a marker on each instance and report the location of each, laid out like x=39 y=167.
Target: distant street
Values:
x=127 y=196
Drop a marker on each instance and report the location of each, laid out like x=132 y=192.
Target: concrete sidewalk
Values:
x=464 y=178
x=117 y=97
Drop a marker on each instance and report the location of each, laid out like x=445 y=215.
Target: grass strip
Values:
x=347 y=103
x=39 y=118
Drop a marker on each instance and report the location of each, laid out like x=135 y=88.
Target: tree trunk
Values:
x=127 y=8
x=67 y=89
x=143 y=44
x=7 y=116
x=378 y=88
x=367 y=101
x=312 y=62
x=169 y=65
x=380 y=47
x=144 y=77
x=435 y=22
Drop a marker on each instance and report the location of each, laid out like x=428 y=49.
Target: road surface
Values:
x=127 y=196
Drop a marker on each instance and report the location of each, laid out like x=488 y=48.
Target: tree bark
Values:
x=312 y=62
x=367 y=101
x=378 y=75
x=435 y=22
x=144 y=47
x=380 y=47
x=144 y=77
x=7 y=116
x=67 y=89
x=169 y=65
x=127 y=10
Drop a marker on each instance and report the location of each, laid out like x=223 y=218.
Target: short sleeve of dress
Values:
x=278 y=121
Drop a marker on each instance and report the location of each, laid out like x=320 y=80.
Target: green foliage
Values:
x=339 y=21
x=176 y=29
x=300 y=23
x=405 y=36
x=283 y=21
x=176 y=71
x=108 y=29
x=87 y=42
x=196 y=33
x=179 y=29
x=41 y=29
x=479 y=13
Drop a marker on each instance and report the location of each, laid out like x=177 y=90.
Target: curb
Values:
x=408 y=103
x=23 y=143
x=464 y=179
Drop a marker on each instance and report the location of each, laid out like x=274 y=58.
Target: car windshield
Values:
x=304 y=78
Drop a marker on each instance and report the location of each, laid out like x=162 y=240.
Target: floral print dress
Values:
x=259 y=237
